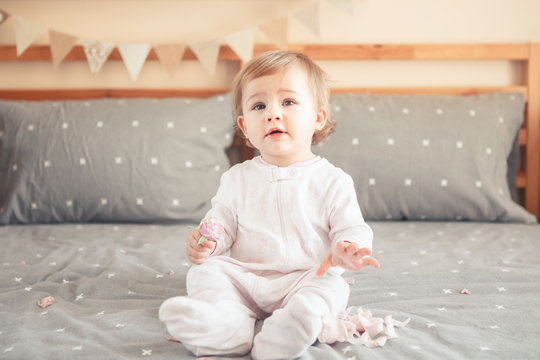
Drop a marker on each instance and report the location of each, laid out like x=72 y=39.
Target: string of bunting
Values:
x=134 y=54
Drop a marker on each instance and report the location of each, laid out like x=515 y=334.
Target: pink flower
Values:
x=211 y=229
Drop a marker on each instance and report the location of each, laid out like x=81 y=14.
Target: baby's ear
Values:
x=320 y=122
x=241 y=124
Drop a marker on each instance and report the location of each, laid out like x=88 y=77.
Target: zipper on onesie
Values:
x=285 y=259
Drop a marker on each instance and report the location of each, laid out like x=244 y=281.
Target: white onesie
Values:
x=279 y=225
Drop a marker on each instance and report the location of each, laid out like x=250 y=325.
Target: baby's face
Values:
x=280 y=116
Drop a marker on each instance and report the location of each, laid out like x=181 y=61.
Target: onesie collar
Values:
x=287 y=172
x=260 y=161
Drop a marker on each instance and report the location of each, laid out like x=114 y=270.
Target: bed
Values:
x=99 y=189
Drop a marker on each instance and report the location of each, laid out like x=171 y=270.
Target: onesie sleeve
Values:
x=223 y=209
x=345 y=217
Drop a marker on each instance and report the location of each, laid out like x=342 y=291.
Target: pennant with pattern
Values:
x=97 y=53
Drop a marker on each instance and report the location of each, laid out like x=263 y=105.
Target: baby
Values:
x=287 y=217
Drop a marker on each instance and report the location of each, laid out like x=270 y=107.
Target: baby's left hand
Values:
x=348 y=256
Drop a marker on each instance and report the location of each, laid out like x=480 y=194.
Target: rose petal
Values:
x=45 y=302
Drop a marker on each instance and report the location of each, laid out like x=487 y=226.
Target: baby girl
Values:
x=287 y=217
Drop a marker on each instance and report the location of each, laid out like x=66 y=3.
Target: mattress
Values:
x=471 y=290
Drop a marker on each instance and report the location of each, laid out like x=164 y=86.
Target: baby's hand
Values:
x=348 y=256
x=198 y=253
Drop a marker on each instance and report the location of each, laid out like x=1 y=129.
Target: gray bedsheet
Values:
x=109 y=280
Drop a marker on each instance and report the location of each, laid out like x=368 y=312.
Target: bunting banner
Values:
x=61 y=44
x=134 y=56
x=207 y=53
x=26 y=32
x=3 y=16
x=309 y=17
x=170 y=56
x=276 y=31
x=97 y=53
x=242 y=43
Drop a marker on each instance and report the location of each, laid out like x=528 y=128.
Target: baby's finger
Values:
x=367 y=261
x=196 y=260
x=198 y=257
x=209 y=244
x=354 y=264
x=364 y=251
x=342 y=245
x=352 y=248
x=325 y=265
x=194 y=246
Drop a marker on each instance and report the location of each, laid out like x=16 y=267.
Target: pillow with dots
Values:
x=430 y=157
x=111 y=160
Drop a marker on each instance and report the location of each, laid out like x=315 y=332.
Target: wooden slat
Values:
x=58 y=94
x=532 y=193
x=521 y=180
x=76 y=94
x=469 y=90
x=414 y=51
x=43 y=53
x=320 y=52
x=522 y=140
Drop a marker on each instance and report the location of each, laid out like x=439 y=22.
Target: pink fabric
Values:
x=211 y=229
x=359 y=328
x=45 y=302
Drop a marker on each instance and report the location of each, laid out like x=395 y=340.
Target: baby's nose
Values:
x=273 y=116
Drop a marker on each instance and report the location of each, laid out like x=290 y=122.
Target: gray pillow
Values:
x=429 y=157
x=121 y=160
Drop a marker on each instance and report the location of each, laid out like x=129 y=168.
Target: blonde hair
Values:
x=272 y=62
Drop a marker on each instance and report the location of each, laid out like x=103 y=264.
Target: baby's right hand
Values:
x=198 y=253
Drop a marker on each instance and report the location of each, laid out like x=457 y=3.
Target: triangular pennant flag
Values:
x=276 y=31
x=309 y=17
x=242 y=43
x=343 y=5
x=134 y=56
x=3 y=16
x=26 y=32
x=207 y=52
x=170 y=56
x=61 y=45
x=97 y=53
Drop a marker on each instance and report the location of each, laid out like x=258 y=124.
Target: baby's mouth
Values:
x=275 y=132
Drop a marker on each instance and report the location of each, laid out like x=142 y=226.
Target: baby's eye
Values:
x=288 y=102
x=259 y=107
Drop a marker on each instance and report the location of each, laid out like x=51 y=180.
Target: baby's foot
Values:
x=186 y=318
x=197 y=324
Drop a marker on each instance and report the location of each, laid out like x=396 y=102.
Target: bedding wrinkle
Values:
x=443 y=325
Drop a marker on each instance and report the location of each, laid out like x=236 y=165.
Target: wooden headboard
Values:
x=528 y=178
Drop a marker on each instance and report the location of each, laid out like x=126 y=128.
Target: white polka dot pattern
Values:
x=112 y=160
x=433 y=157
x=465 y=286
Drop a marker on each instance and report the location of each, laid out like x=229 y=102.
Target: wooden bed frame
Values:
x=528 y=178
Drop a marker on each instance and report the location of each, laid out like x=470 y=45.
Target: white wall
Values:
x=174 y=21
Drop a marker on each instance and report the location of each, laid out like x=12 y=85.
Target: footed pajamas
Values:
x=279 y=225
